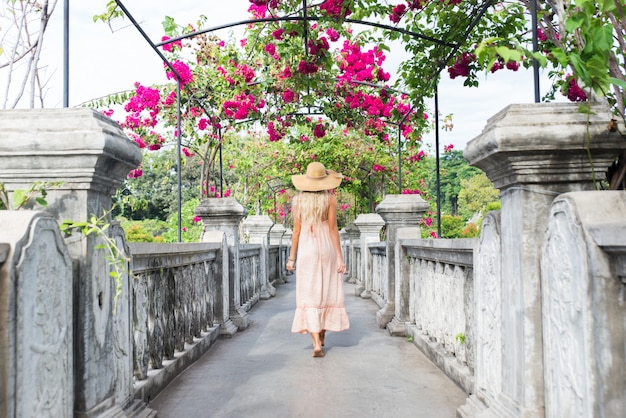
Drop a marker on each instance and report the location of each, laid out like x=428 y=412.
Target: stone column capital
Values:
x=402 y=209
x=545 y=143
x=258 y=228
x=369 y=223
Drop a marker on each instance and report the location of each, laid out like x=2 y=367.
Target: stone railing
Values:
x=440 y=279
x=177 y=292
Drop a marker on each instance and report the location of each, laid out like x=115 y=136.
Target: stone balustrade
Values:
x=441 y=303
x=529 y=319
x=177 y=291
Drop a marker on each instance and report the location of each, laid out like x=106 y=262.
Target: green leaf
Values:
x=573 y=23
x=41 y=201
x=617 y=82
x=560 y=56
x=19 y=198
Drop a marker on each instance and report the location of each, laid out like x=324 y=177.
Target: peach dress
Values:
x=319 y=288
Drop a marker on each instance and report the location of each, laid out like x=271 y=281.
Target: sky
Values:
x=106 y=60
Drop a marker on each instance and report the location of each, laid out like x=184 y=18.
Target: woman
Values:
x=315 y=240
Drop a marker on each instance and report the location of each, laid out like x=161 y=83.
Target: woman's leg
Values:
x=317 y=345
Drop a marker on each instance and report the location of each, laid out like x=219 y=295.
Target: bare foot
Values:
x=318 y=352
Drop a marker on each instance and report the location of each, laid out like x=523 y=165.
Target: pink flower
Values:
x=203 y=123
x=288 y=96
x=227 y=193
x=572 y=90
x=278 y=34
x=335 y=8
x=448 y=148
x=196 y=219
x=333 y=35
x=138 y=172
x=319 y=131
x=187 y=152
x=154 y=147
x=183 y=71
x=184 y=229
x=168 y=47
x=512 y=65
x=433 y=234
x=397 y=12
x=462 y=65
x=270 y=49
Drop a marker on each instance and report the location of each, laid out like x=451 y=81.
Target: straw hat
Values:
x=317 y=178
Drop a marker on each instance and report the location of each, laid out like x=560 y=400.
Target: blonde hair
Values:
x=311 y=207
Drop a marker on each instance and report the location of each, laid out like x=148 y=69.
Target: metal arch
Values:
x=440 y=66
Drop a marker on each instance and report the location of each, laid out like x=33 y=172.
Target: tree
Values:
x=454 y=170
x=24 y=23
x=476 y=195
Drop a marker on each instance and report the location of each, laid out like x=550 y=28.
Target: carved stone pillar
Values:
x=225 y=215
x=90 y=156
x=533 y=153
x=257 y=228
x=369 y=225
x=36 y=308
x=583 y=268
x=402 y=214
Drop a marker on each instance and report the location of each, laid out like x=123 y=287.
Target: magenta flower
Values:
x=333 y=35
x=183 y=70
x=187 y=152
x=270 y=49
x=203 y=123
x=448 y=148
x=572 y=90
x=397 y=12
x=135 y=173
x=278 y=34
x=288 y=96
x=319 y=131
x=196 y=219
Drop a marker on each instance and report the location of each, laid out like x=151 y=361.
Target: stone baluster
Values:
x=287 y=244
x=402 y=214
x=352 y=236
x=532 y=153
x=277 y=234
x=369 y=225
x=257 y=229
x=223 y=216
x=89 y=155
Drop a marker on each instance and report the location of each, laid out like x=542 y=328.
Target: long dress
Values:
x=319 y=288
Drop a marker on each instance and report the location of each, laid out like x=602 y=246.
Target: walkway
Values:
x=266 y=371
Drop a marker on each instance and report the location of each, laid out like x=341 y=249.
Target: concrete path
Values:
x=266 y=371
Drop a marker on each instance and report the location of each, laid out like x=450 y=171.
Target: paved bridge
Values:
x=266 y=371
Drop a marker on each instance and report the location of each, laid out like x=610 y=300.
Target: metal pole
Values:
x=179 y=165
x=399 y=159
x=437 y=160
x=219 y=131
x=533 y=14
x=66 y=53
